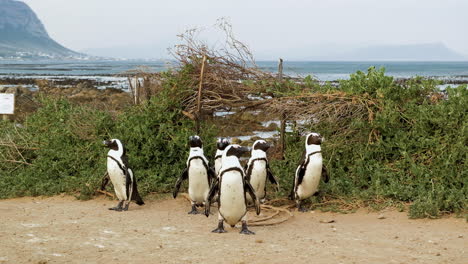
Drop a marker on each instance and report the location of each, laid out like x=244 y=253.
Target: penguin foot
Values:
x=303 y=209
x=118 y=208
x=220 y=228
x=246 y=232
x=194 y=210
x=125 y=208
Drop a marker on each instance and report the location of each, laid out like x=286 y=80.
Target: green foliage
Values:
x=414 y=150
x=64 y=150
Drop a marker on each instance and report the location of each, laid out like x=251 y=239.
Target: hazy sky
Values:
x=272 y=28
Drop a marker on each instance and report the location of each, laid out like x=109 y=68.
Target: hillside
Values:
x=23 y=36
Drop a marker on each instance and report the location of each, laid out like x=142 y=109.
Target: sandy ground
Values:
x=65 y=230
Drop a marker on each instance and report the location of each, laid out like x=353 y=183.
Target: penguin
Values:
x=309 y=171
x=221 y=145
x=258 y=170
x=198 y=173
x=121 y=175
x=231 y=187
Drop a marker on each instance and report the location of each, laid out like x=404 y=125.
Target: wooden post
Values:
x=282 y=135
x=137 y=90
x=280 y=69
x=132 y=90
x=200 y=85
x=5 y=117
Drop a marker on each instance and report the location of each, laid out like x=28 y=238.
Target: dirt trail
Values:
x=65 y=230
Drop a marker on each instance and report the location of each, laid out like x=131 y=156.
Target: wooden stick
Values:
x=200 y=85
x=282 y=135
x=132 y=90
x=17 y=161
x=106 y=193
x=280 y=69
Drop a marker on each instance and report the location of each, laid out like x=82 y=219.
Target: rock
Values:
x=328 y=221
x=381 y=216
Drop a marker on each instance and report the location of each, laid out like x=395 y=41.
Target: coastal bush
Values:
x=414 y=150
x=59 y=148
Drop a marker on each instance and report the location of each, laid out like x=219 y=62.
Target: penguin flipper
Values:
x=326 y=178
x=300 y=175
x=105 y=181
x=135 y=194
x=213 y=191
x=128 y=183
x=300 y=171
x=248 y=187
x=272 y=178
x=248 y=171
x=211 y=175
x=182 y=177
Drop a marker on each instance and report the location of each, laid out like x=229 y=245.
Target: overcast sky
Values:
x=270 y=27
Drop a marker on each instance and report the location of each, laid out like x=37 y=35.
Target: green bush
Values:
x=417 y=153
x=413 y=149
x=67 y=154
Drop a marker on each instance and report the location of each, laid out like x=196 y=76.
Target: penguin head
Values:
x=261 y=145
x=314 y=139
x=112 y=144
x=235 y=150
x=195 y=142
x=222 y=143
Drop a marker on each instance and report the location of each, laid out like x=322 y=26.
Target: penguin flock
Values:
x=233 y=187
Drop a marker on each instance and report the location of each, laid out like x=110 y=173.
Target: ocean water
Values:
x=324 y=71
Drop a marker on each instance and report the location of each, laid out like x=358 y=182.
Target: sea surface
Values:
x=323 y=70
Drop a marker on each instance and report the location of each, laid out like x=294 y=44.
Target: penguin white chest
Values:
x=311 y=180
x=198 y=181
x=232 y=199
x=258 y=178
x=118 y=179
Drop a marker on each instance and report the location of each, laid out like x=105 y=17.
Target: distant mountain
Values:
x=23 y=36
x=414 y=52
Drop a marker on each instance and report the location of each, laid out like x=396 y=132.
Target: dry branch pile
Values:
x=225 y=70
x=314 y=107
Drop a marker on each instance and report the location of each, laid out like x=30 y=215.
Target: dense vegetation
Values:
x=413 y=148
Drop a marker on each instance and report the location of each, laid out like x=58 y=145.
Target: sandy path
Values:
x=64 y=230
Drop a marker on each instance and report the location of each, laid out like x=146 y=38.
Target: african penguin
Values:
x=309 y=171
x=258 y=170
x=221 y=145
x=232 y=187
x=198 y=173
x=121 y=175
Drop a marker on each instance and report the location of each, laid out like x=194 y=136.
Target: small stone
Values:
x=381 y=216
x=396 y=237
x=460 y=236
x=438 y=254
x=258 y=241
x=328 y=221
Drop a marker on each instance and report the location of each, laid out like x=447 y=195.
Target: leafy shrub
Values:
x=414 y=150
x=68 y=155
